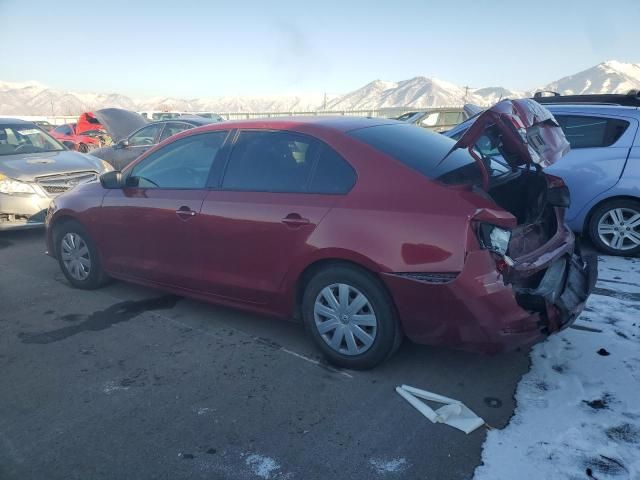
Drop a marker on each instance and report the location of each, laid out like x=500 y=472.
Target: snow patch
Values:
x=111 y=387
x=263 y=467
x=385 y=466
x=577 y=411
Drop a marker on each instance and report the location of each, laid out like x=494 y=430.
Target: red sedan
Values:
x=366 y=229
x=87 y=134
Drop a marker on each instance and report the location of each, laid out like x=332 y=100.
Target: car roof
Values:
x=190 y=120
x=14 y=121
x=335 y=123
x=593 y=108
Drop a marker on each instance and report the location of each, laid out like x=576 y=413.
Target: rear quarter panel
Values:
x=393 y=220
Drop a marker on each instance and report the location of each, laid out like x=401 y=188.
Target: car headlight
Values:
x=106 y=166
x=494 y=238
x=11 y=186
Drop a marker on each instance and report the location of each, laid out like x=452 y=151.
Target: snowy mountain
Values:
x=607 y=77
x=33 y=98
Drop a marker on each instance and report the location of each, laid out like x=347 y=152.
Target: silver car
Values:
x=34 y=169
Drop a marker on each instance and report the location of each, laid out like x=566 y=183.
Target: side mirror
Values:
x=69 y=145
x=124 y=143
x=111 y=180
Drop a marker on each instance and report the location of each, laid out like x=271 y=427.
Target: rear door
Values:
x=276 y=188
x=150 y=228
x=600 y=147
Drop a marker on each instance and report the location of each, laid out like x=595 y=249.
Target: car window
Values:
x=452 y=118
x=265 y=161
x=145 y=136
x=64 y=130
x=184 y=163
x=590 y=132
x=430 y=120
x=421 y=150
x=332 y=174
x=171 y=129
x=26 y=138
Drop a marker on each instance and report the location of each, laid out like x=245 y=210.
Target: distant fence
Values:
x=374 y=112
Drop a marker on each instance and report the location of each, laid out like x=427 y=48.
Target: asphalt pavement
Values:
x=128 y=382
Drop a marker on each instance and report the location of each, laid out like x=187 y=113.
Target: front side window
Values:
x=183 y=164
x=16 y=139
x=590 y=132
x=265 y=161
x=145 y=136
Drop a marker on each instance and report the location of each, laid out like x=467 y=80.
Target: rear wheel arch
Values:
x=315 y=267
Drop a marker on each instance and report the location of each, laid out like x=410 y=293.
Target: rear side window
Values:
x=590 y=132
x=332 y=175
x=421 y=150
x=265 y=161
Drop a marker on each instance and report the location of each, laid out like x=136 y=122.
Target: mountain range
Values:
x=33 y=98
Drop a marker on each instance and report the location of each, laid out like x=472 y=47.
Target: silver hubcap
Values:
x=75 y=256
x=620 y=228
x=345 y=319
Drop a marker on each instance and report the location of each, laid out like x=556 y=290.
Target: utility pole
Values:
x=324 y=104
x=466 y=93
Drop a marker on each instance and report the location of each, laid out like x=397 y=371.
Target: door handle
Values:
x=295 y=220
x=185 y=212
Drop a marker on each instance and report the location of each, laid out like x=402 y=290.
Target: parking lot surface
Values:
x=129 y=382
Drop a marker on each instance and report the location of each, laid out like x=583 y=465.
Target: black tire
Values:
x=601 y=213
x=83 y=148
x=388 y=334
x=95 y=276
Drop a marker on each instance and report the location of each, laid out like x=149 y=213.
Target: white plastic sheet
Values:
x=454 y=413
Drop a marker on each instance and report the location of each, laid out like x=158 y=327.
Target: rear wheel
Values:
x=614 y=227
x=351 y=317
x=83 y=148
x=78 y=256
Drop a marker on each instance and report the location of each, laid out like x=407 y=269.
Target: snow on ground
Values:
x=578 y=408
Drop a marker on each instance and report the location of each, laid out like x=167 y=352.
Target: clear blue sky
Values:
x=193 y=48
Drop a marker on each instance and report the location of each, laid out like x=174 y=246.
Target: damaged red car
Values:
x=85 y=135
x=367 y=230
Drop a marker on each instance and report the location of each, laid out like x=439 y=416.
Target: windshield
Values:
x=423 y=151
x=26 y=138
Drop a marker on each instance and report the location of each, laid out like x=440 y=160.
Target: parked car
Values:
x=85 y=134
x=439 y=119
x=298 y=218
x=127 y=149
x=630 y=99
x=602 y=172
x=43 y=124
x=34 y=169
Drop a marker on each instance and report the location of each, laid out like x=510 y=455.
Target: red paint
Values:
x=250 y=249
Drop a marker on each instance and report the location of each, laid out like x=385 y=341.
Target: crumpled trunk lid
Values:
x=524 y=131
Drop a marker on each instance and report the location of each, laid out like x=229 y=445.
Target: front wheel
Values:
x=351 y=317
x=614 y=227
x=78 y=257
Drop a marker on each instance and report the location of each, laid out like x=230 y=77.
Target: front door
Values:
x=149 y=229
x=277 y=187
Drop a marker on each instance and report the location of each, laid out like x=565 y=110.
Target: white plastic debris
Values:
x=454 y=413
